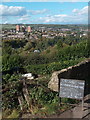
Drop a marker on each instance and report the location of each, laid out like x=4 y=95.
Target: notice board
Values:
x=71 y=88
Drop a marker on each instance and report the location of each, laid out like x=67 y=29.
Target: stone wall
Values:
x=80 y=71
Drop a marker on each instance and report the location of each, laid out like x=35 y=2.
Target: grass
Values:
x=8 y=114
x=14 y=114
x=46 y=110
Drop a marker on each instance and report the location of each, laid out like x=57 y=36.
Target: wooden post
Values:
x=20 y=100
x=26 y=93
x=60 y=101
x=82 y=104
x=26 y=96
x=82 y=107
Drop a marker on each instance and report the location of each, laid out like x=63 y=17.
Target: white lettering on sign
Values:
x=70 y=88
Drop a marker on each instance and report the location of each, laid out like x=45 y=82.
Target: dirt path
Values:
x=78 y=112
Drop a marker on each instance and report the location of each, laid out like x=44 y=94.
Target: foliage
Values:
x=12 y=86
x=49 y=68
x=59 y=44
x=14 y=114
x=55 y=54
x=10 y=61
x=11 y=114
x=73 y=52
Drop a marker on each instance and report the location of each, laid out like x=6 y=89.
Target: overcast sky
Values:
x=44 y=12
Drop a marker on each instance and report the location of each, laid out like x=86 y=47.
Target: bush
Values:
x=49 y=68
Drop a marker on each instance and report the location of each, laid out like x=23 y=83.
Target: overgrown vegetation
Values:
x=54 y=55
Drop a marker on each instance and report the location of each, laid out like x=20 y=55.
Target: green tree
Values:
x=59 y=44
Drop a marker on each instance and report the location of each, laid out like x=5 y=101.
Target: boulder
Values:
x=80 y=71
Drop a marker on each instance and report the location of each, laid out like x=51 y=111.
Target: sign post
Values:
x=82 y=104
x=71 y=88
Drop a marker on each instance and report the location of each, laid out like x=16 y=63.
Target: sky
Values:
x=44 y=12
x=45 y=0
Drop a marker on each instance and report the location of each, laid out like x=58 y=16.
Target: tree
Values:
x=59 y=44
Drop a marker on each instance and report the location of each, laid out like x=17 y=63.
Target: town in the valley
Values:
x=33 y=32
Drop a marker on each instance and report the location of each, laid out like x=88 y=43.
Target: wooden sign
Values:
x=70 y=88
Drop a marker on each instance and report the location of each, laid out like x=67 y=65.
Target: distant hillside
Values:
x=77 y=26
